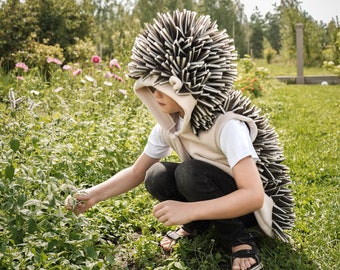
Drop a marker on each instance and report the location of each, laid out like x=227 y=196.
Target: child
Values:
x=230 y=174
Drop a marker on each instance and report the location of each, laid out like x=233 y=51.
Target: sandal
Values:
x=247 y=253
x=173 y=236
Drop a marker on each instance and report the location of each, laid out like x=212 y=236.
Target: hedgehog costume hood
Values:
x=186 y=57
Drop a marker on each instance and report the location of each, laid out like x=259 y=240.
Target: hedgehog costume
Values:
x=187 y=58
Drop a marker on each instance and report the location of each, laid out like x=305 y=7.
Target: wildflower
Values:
x=20 y=78
x=66 y=67
x=89 y=78
x=118 y=78
x=108 y=83
x=96 y=59
x=58 y=89
x=108 y=75
x=22 y=66
x=35 y=92
x=77 y=72
x=54 y=60
x=124 y=92
x=114 y=63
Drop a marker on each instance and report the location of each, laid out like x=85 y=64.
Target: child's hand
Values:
x=172 y=212
x=79 y=202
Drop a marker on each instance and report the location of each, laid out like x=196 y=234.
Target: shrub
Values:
x=250 y=78
x=36 y=54
x=81 y=51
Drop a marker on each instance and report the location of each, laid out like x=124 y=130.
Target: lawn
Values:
x=289 y=68
x=65 y=136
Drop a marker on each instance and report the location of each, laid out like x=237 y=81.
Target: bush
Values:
x=81 y=51
x=36 y=54
x=250 y=78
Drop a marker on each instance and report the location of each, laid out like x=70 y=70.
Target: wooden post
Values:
x=299 y=53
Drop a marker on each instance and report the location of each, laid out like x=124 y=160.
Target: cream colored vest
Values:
x=206 y=147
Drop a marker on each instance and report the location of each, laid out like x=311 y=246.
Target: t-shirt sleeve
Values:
x=156 y=146
x=236 y=143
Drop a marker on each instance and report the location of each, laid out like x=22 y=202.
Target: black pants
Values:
x=194 y=180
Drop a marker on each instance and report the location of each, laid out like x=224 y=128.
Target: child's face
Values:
x=167 y=104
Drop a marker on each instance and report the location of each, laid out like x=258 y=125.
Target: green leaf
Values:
x=91 y=252
x=32 y=226
x=9 y=171
x=32 y=202
x=14 y=144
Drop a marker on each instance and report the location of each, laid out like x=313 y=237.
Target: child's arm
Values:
x=248 y=198
x=121 y=182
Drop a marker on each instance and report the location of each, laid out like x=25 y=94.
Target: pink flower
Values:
x=118 y=78
x=66 y=67
x=54 y=60
x=96 y=59
x=20 y=78
x=77 y=72
x=114 y=63
x=22 y=65
x=108 y=75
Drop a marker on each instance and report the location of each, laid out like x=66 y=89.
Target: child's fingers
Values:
x=76 y=203
x=81 y=195
x=67 y=203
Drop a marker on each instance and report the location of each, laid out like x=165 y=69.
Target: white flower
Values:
x=108 y=83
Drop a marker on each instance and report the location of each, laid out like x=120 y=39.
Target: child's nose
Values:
x=157 y=93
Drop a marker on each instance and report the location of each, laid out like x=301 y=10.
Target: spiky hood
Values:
x=191 y=48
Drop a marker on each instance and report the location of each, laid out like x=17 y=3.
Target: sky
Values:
x=323 y=10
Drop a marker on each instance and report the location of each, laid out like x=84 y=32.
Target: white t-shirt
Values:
x=235 y=142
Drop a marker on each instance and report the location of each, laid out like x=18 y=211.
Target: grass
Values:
x=57 y=141
x=288 y=68
x=306 y=117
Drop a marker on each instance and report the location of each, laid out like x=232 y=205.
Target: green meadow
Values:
x=70 y=133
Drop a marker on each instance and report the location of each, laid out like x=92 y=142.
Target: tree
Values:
x=272 y=30
x=13 y=31
x=256 y=37
x=48 y=22
x=229 y=15
x=61 y=22
x=314 y=37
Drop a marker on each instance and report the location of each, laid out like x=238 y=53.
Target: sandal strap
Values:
x=173 y=235
x=246 y=253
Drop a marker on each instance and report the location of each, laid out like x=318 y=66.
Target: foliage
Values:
x=112 y=25
x=228 y=15
x=76 y=131
x=250 y=78
x=35 y=55
x=256 y=36
x=80 y=51
x=14 y=31
x=272 y=30
x=50 y=22
x=330 y=65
